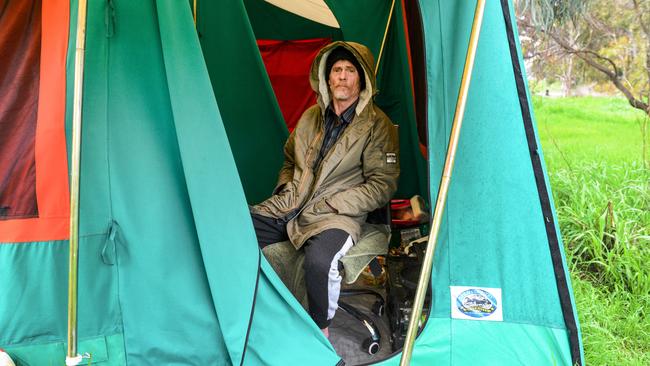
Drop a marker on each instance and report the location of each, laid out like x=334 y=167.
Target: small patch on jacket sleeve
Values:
x=391 y=158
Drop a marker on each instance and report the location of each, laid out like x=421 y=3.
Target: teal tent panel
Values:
x=487 y=343
x=254 y=124
x=157 y=253
x=431 y=347
x=495 y=217
x=33 y=307
x=492 y=204
x=494 y=227
x=282 y=333
x=103 y=350
x=34 y=286
x=221 y=218
x=496 y=343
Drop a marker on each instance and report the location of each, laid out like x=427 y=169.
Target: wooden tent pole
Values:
x=425 y=273
x=72 y=357
x=383 y=41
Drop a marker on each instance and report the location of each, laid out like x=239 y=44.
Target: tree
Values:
x=608 y=39
x=612 y=37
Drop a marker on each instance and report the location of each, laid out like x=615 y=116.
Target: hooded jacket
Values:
x=359 y=173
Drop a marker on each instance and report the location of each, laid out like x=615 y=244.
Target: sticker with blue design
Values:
x=476 y=303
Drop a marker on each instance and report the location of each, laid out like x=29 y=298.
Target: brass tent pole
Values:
x=194 y=13
x=425 y=273
x=383 y=41
x=72 y=357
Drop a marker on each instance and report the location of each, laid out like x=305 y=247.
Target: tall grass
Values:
x=602 y=196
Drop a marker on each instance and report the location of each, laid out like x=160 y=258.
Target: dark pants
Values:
x=322 y=254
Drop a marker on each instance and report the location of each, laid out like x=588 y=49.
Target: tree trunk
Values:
x=567 y=78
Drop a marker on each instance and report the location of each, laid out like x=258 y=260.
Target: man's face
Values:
x=344 y=81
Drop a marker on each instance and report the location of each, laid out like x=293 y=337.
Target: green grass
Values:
x=589 y=129
x=602 y=196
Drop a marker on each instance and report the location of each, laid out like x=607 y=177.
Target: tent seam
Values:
x=111 y=218
x=250 y=320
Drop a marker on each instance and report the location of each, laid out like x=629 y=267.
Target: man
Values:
x=341 y=162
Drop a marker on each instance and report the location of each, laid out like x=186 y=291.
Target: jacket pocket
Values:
x=322 y=207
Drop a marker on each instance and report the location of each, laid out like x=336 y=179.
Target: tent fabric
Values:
x=315 y=10
x=170 y=272
x=555 y=245
x=245 y=98
x=145 y=252
x=285 y=25
x=411 y=15
x=287 y=63
x=20 y=34
x=494 y=232
x=44 y=153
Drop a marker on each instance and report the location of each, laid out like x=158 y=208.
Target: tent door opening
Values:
x=260 y=77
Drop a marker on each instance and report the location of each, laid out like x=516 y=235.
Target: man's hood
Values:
x=318 y=79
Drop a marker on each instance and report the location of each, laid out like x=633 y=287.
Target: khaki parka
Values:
x=359 y=173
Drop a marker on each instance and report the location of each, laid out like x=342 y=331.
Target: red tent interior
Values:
x=287 y=64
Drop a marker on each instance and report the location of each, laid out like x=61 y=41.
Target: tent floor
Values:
x=347 y=333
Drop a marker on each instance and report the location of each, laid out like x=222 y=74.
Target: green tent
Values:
x=181 y=130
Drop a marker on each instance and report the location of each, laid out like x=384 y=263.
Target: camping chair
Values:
x=374 y=239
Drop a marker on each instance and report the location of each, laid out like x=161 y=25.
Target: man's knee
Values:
x=324 y=250
x=317 y=263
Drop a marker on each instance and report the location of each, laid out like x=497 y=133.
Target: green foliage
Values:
x=614 y=326
x=602 y=196
x=547 y=12
x=613 y=257
x=601 y=43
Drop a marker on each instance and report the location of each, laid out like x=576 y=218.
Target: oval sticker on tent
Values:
x=476 y=303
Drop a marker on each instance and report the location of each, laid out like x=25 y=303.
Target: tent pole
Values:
x=383 y=41
x=73 y=358
x=194 y=13
x=425 y=273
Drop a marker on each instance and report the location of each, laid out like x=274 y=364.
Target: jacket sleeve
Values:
x=286 y=172
x=380 y=163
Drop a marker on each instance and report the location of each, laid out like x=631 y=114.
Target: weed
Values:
x=601 y=187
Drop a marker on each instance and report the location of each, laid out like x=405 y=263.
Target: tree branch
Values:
x=590 y=57
x=639 y=12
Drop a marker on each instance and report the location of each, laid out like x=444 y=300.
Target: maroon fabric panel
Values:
x=416 y=42
x=288 y=64
x=20 y=48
